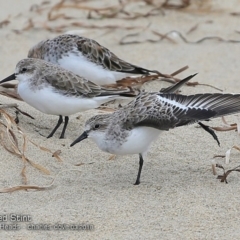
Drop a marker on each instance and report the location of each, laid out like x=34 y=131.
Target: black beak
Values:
x=82 y=137
x=11 y=77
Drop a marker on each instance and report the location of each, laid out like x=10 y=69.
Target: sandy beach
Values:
x=179 y=197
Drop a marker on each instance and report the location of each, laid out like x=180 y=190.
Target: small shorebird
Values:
x=86 y=58
x=56 y=91
x=131 y=129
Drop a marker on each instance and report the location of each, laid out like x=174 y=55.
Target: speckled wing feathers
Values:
x=60 y=46
x=102 y=56
x=70 y=84
x=145 y=110
x=165 y=111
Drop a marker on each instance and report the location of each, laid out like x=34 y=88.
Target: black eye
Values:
x=96 y=126
x=24 y=70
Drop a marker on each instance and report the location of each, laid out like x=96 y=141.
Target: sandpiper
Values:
x=86 y=58
x=131 y=129
x=56 y=91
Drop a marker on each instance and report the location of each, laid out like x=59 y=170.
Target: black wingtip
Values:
x=175 y=87
x=194 y=75
x=189 y=77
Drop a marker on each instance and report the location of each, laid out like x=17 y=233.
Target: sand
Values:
x=179 y=197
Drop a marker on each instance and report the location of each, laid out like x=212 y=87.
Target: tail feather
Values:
x=139 y=70
x=177 y=86
x=125 y=92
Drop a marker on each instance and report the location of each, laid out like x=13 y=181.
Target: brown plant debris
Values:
x=34 y=187
x=227 y=154
x=119 y=11
x=4 y=23
x=223 y=177
x=137 y=82
x=56 y=155
x=17 y=112
x=125 y=10
x=228 y=127
x=196 y=26
x=112 y=157
x=10 y=90
x=10 y=137
x=21 y=187
x=58 y=17
x=124 y=40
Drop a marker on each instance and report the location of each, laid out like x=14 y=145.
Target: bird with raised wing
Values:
x=132 y=129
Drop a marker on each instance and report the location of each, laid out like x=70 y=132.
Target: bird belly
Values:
x=81 y=66
x=137 y=142
x=48 y=101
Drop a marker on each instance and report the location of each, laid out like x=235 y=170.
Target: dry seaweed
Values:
x=125 y=10
x=137 y=82
x=195 y=27
x=9 y=141
x=10 y=132
x=118 y=11
x=4 y=23
x=223 y=177
x=24 y=113
x=227 y=154
x=228 y=127
x=10 y=90
x=124 y=40
x=56 y=155
x=34 y=187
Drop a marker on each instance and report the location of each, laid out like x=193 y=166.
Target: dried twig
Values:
x=227 y=154
x=166 y=36
x=9 y=134
x=10 y=90
x=4 y=23
x=125 y=10
x=34 y=187
x=223 y=177
x=228 y=127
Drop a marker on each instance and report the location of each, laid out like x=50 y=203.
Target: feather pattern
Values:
x=166 y=110
x=61 y=46
x=68 y=83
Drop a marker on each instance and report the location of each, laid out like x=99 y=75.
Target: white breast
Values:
x=81 y=66
x=138 y=141
x=48 y=101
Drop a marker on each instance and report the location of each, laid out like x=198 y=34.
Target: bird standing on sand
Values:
x=131 y=129
x=56 y=91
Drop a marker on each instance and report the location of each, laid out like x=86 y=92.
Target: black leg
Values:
x=64 y=127
x=209 y=130
x=140 y=169
x=60 y=120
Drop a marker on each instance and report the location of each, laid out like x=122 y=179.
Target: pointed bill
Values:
x=9 y=78
x=79 y=139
